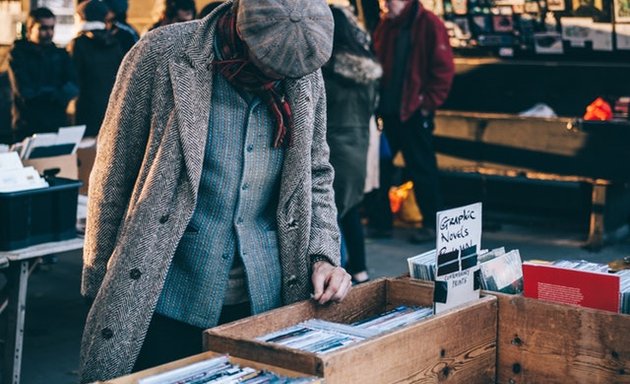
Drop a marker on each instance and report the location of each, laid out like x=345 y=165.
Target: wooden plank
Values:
x=440 y=349
x=409 y=291
x=134 y=377
x=541 y=342
x=267 y=353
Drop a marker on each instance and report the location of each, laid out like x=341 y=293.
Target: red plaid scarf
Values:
x=243 y=74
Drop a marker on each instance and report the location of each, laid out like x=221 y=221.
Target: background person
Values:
x=351 y=78
x=96 y=54
x=413 y=47
x=42 y=76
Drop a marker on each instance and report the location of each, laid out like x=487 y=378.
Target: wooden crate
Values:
x=542 y=342
x=134 y=377
x=458 y=346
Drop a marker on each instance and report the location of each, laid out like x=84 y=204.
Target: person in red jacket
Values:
x=412 y=45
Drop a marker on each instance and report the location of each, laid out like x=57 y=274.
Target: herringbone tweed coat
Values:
x=143 y=189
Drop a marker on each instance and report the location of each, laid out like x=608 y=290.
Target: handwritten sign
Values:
x=457 y=244
x=460 y=289
x=459 y=229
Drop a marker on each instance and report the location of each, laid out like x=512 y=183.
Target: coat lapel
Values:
x=297 y=157
x=191 y=78
x=192 y=90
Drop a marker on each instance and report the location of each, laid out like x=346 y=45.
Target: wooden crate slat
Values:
x=439 y=349
x=541 y=342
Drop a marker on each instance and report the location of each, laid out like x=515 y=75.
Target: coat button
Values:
x=135 y=274
x=250 y=148
x=163 y=219
x=292 y=281
x=107 y=333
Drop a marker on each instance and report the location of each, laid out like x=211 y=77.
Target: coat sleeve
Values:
x=441 y=66
x=324 y=237
x=120 y=149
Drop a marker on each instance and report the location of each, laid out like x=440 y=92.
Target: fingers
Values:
x=336 y=285
x=319 y=279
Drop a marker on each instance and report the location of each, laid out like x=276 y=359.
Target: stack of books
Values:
x=220 y=370
x=621 y=110
x=396 y=318
x=581 y=265
x=423 y=266
x=624 y=276
x=500 y=271
x=320 y=336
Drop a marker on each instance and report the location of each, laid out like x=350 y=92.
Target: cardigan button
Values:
x=107 y=333
x=292 y=281
x=135 y=274
x=163 y=219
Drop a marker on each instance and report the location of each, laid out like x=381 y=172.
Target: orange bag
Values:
x=598 y=110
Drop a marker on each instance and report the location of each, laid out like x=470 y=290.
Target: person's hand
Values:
x=329 y=282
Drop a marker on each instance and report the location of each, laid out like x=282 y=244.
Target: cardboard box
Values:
x=86 y=157
x=134 y=377
x=458 y=345
x=67 y=165
x=543 y=342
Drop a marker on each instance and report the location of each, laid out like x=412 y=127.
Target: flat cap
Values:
x=291 y=37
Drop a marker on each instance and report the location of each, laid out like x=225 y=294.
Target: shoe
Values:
x=423 y=235
x=360 y=278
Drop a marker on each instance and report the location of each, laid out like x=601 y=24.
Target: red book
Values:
x=571 y=286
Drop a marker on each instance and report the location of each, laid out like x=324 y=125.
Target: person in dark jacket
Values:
x=42 y=76
x=176 y=11
x=116 y=22
x=412 y=45
x=97 y=54
x=351 y=78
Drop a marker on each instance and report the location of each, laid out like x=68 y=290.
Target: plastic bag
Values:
x=598 y=110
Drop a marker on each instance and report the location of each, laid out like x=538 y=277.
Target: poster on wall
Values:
x=623 y=36
x=579 y=30
x=460 y=7
x=548 y=43
x=589 y=8
x=622 y=11
x=502 y=23
x=481 y=25
x=556 y=5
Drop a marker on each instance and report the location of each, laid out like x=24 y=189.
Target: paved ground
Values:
x=56 y=312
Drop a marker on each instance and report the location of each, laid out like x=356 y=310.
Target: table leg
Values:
x=17 y=276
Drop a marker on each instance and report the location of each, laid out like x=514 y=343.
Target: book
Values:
x=321 y=336
x=219 y=370
x=502 y=273
x=560 y=284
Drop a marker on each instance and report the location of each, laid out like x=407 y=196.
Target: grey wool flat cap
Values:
x=291 y=37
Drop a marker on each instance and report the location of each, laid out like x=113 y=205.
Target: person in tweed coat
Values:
x=145 y=184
